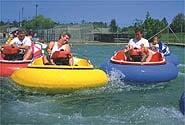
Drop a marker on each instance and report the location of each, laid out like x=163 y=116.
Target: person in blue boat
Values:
x=59 y=53
x=137 y=49
x=157 y=45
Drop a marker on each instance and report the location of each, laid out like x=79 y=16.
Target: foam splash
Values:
x=181 y=74
x=181 y=65
x=118 y=84
x=166 y=115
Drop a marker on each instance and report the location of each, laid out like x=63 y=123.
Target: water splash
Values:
x=160 y=115
x=181 y=65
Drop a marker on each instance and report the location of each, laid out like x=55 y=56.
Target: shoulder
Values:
x=15 y=39
x=144 y=40
x=52 y=42
x=66 y=45
x=131 y=40
x=27 y=38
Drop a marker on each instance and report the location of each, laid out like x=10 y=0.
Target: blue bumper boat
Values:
x=155 y=70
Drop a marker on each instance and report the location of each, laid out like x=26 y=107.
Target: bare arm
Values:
x=24 y=47
x=50 y=47
x=67 y=49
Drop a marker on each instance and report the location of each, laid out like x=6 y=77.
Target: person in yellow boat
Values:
x=137 y=49
x=59 y=53
x=35 y=51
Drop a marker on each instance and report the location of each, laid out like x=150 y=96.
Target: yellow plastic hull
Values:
x=59 y=77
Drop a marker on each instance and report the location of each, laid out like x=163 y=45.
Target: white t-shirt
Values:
x=137 y=44
x=55 y=47
x=26 y=41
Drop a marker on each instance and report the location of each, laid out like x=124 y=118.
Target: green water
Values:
x=114 y=104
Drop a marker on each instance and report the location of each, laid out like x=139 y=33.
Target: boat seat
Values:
x=156 y=57
x=120 y=55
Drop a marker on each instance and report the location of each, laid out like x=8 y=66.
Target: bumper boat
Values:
x=7 y=64
x=8 y=67
x=172 y=58
x=182 y=103
x=154 y=70
x=60 y=77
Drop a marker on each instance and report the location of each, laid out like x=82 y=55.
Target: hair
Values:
x=63 y=34
x=138 y=29
x=31 y=33
x=21 y=32
x=152 y=40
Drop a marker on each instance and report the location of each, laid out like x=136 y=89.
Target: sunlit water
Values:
x=113 y=104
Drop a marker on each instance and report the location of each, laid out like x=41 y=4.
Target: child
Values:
x=157 y=45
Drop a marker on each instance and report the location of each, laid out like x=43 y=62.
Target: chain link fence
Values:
x=80 y=33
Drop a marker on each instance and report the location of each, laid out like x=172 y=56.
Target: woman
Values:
x=59 y=53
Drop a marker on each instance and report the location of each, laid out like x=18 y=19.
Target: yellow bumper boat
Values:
x=60 y=77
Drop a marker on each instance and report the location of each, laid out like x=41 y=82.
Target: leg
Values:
x=127 y=54
x=71 y=61
x=45 y=60
x=144 y=54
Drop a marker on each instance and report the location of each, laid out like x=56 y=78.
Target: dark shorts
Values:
x=136 y=58
x=62 y=61
x=14 y=57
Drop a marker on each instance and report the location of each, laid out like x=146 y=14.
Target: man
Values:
x=23 y=43
x=59 y=48
x=137 y=49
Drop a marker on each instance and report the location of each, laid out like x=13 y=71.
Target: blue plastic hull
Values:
x=142 y=74
x=172 y=59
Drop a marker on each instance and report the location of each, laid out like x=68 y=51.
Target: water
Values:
x=114 y=104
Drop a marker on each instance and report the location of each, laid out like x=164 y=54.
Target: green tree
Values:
x=138 y=23
x=164 y=21
x=153 y=26
x=165 y=24
x=39 y=22
x=2 y=23
x=113 y=26
x=148 y=25
x=178 y=23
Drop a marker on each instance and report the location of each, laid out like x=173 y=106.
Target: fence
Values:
x=80 y=33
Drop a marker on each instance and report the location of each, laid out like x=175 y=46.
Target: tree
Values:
x=15 y=23
x=164 y=21
x=148 y=25
x=2 y=23
x=39 y=22
x=178 y=23
x=113 y=26
x=153 y=26
x=138 y=23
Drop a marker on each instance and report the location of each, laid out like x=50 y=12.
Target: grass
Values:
x=171 y=38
